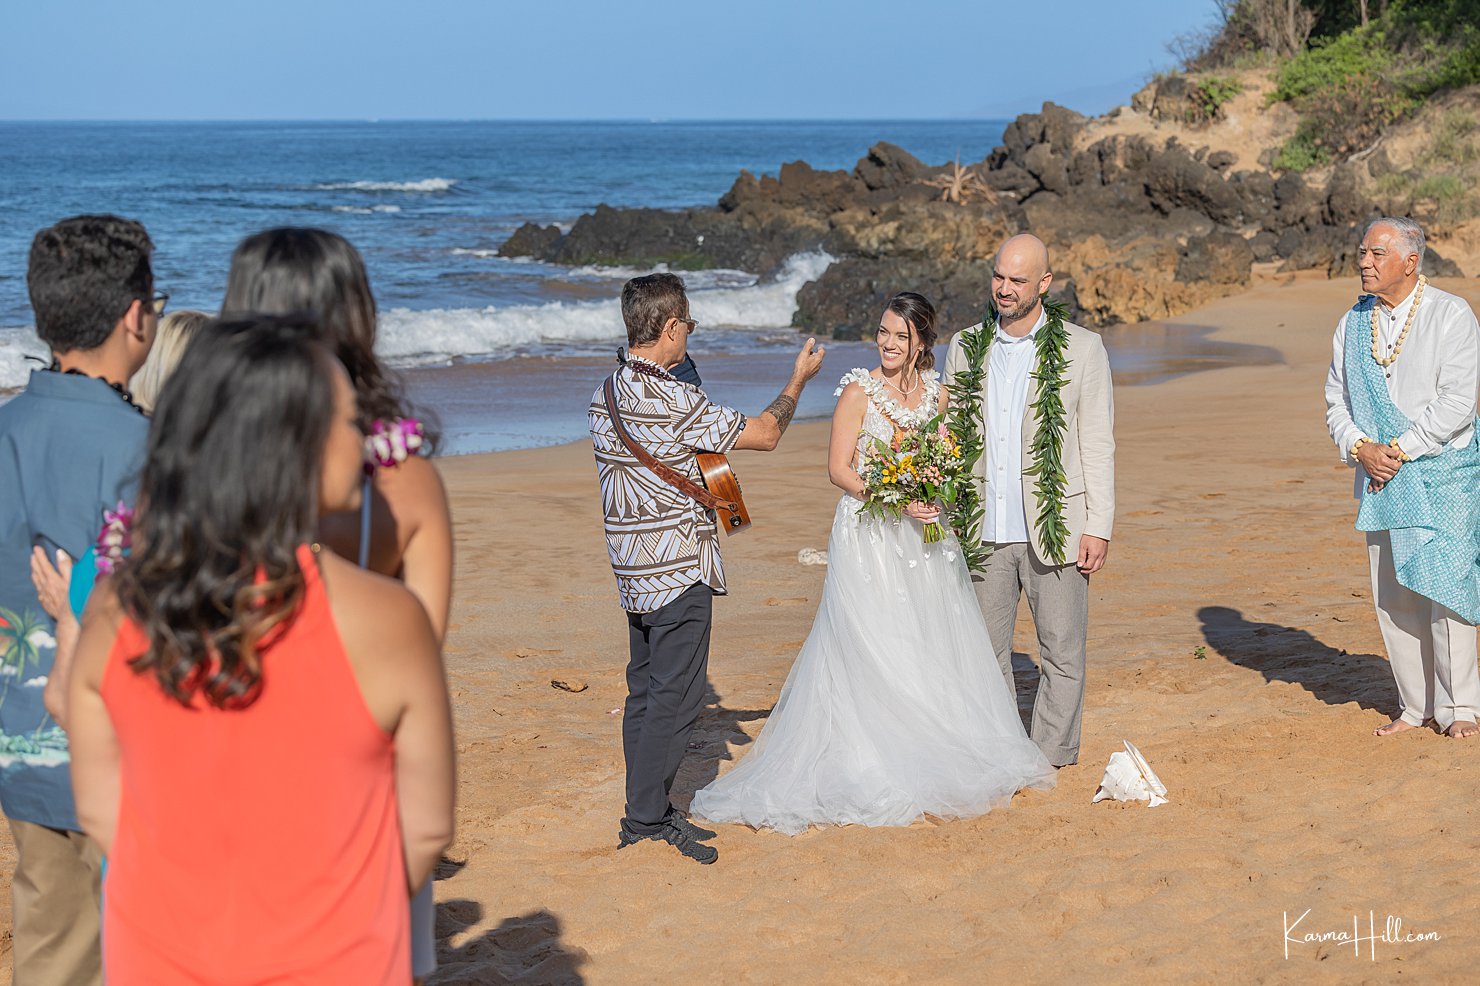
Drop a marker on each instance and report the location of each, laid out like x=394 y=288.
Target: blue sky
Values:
x=577 y=59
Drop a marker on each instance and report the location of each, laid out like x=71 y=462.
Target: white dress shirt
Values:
x=1009 y=371
x=1433 y=382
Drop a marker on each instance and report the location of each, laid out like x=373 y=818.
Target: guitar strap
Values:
x=663 y=471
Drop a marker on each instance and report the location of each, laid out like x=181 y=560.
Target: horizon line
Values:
x=652 y=121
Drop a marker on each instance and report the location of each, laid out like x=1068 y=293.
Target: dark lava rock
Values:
x=798 y=186
x=1222 y=160
x=1221 y=257
x=1047 y=167
x=1172 y=98
x=1174 y=178
x=530 y=240
x=1296 y=203
x=1264 y=244
x=1437 y=266
x=1053 y=125
x=1256 y=189
x=1346 y=202
x=1329 y=248
x=888 y=167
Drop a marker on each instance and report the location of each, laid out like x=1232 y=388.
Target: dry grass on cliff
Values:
x=1245 y=125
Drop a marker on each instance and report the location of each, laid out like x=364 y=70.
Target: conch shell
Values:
x=1128 y=777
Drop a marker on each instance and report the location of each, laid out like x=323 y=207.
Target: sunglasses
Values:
x=691 y=323
x=160 y=299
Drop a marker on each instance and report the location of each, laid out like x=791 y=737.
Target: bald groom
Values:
x=1020 y=561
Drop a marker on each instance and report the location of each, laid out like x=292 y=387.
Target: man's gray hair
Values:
x=1410 y=234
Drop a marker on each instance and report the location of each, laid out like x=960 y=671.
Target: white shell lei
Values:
x=916 y=417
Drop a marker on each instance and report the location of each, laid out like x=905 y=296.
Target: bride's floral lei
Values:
x=391 y=443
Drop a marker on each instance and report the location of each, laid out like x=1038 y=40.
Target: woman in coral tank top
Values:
x=261 y=740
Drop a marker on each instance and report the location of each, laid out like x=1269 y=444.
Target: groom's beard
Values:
x=1018 y=311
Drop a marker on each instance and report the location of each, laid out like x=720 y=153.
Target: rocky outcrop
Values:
x=1139 y=226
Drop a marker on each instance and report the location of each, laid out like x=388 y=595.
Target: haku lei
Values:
x=115 y=539
x=391 y=443
x=1051 y=341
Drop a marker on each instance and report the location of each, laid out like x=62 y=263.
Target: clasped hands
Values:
x=1382 y=463
x=925 y=513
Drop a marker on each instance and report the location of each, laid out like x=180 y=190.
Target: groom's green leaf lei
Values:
x=1048 y=442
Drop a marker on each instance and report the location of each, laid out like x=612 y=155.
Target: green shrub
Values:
x=1332 y=62
x=1301 y=152
x=1209 y=95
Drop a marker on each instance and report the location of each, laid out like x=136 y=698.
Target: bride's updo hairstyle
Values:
x=294 y=270
x=228 y=492
x=917 y=310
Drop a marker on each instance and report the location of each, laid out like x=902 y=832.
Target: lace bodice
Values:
x=884 y=413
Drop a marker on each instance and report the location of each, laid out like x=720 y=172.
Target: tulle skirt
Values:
x=895 y=708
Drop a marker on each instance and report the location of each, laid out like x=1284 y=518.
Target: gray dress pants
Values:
x=667 y=678
x=1058 y=598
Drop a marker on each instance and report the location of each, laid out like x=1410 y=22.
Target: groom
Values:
x=1042 y=543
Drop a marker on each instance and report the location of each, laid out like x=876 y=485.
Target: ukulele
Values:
x=721 y=489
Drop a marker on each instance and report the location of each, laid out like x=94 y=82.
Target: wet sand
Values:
x=536 y=401
x=1232 y=640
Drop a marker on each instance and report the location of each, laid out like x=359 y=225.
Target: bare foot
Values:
x=1393 y=728
x=1462 y=729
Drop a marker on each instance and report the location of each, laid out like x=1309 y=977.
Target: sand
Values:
x=1232 y=640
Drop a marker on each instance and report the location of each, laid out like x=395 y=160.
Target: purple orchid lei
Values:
x=391 y=443
x=115 y=539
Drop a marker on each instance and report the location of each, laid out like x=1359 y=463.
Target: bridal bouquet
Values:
x=923 y=466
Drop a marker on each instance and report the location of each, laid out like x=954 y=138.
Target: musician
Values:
x=664 y=544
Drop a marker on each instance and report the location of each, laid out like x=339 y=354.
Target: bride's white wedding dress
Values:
x=895 y=707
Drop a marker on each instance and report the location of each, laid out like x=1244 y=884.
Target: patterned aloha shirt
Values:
x=661 y=541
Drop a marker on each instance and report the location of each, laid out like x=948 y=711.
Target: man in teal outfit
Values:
x=1400 y=405
x=70 y=445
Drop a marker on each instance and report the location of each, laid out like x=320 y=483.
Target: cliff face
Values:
x=1148 y=212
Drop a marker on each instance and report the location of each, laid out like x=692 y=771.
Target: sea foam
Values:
x=412 y=338
x=424 y=185
x=362 y=211
x=15 y=345
x=718 y=299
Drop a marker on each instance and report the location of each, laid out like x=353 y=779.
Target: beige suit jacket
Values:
x=1089 y=442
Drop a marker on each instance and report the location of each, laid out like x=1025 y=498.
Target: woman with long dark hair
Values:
x=261 y=739
x=403 y=527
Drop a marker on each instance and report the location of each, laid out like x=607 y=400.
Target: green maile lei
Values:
x=1047 y=449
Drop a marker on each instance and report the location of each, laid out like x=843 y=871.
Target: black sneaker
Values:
x=678 y=839
x=689 y=829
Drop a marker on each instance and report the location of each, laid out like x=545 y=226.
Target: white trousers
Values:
x=1431 y=650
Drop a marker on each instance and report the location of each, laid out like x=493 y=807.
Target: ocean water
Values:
x=428 y=204
x=505 y=351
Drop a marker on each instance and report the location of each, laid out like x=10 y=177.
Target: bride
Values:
x=896 y=707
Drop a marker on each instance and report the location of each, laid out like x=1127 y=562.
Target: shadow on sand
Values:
x=522 y=949
x=717 y=728
x=1282 y=653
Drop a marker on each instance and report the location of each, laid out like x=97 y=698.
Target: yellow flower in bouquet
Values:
x=916 y=466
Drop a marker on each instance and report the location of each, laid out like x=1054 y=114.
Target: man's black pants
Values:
x=667 y=676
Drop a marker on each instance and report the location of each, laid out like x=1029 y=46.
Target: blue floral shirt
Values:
x=69 y=447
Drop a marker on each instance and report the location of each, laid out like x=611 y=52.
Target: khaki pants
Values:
x=1058 y=597
x=55 y=903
